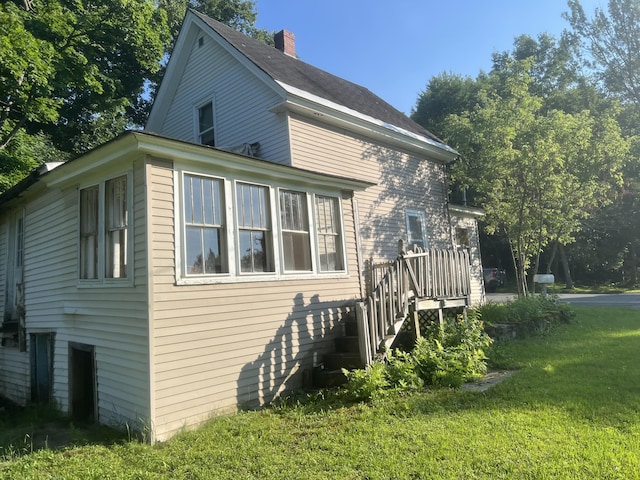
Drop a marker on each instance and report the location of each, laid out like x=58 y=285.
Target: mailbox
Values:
x=543 y=278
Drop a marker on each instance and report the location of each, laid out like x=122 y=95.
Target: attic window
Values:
x=206 y=131
x=200 y=41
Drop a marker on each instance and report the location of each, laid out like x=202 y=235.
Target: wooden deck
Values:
x=418 y=280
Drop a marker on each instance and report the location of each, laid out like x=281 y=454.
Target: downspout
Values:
x=356 y=228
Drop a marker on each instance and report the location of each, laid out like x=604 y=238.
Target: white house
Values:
x=209 y=262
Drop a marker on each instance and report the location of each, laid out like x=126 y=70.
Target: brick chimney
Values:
x=285 y=42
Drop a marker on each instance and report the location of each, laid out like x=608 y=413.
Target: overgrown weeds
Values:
x=445 y=355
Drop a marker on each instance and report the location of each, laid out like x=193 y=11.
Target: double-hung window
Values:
x=254 y=228
x=206 y=131
x=89 y=232
x=294 y=224
x=116 y=227
x=104 y=230
x=416 y=228
x=329 y=237
x=205 y=233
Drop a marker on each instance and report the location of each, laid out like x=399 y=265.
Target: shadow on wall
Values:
x=289 y=357
x=405 y=182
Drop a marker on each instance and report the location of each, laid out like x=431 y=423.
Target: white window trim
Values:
x=310 y=225
x=102 y=280
x=235 y=275
x=341 y=233
x=273 y=211
x=421 y=214
x=196 y=119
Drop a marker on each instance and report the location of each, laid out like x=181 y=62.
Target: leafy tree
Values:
x=238 y=14
x=537 y=172
x=609 y=44
x=65 y=65
x=542 y=147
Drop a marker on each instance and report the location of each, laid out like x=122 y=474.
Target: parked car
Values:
x=493 y=278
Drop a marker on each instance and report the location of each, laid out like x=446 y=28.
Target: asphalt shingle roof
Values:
x=306 y=77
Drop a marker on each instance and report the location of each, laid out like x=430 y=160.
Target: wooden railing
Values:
x=416 y=280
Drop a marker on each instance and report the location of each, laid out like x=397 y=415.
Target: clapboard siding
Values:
x=477 y=281
x=112 y=318
x=404 y=181
x=242 y=103
x=4 y=253
x=13 y=363
x=14 y=380
x=218 y=345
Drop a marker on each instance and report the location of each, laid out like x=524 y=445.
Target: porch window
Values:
x=104 y=230
x=294 y=220
x=206 y=251
x=254 y=228
x=329 y=235
x=206 y=130
x=416 y=228
x=116 y=214
x=89 y=232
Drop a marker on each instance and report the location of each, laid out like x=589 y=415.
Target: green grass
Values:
x=572 y=410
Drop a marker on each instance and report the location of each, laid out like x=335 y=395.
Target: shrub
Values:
x=535 y=312
x=454 y=354
x=445 y=356
x=366 y=384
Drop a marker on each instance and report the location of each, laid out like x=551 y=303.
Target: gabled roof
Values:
x=305 y=77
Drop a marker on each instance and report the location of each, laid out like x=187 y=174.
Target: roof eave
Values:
x=305 y=103
x=466 y=211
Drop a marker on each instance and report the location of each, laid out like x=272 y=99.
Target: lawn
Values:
x=571 y=410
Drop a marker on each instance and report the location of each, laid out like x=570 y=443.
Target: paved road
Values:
x=584 y=299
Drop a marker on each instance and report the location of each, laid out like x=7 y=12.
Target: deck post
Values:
x=416 y=324
x=364 y=340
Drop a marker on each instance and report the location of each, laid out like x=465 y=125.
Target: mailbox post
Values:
x=543 y=279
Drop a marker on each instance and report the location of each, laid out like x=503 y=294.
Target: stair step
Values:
x=347 y=344
x=328 y=378
x=351 y=328
x=338 y=360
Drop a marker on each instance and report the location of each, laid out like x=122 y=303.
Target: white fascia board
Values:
x=464 y=211
x=135 y=144
x=92 y=161
x=304 y=102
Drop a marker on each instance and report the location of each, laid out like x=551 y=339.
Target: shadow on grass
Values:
x=24 y=430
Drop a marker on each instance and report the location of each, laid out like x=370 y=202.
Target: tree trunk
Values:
x=565 y=266
x=554 y=251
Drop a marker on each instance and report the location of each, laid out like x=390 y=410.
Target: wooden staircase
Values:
x=419 y=280
x=346 y=355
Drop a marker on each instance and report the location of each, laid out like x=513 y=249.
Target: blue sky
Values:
x=393 y=47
